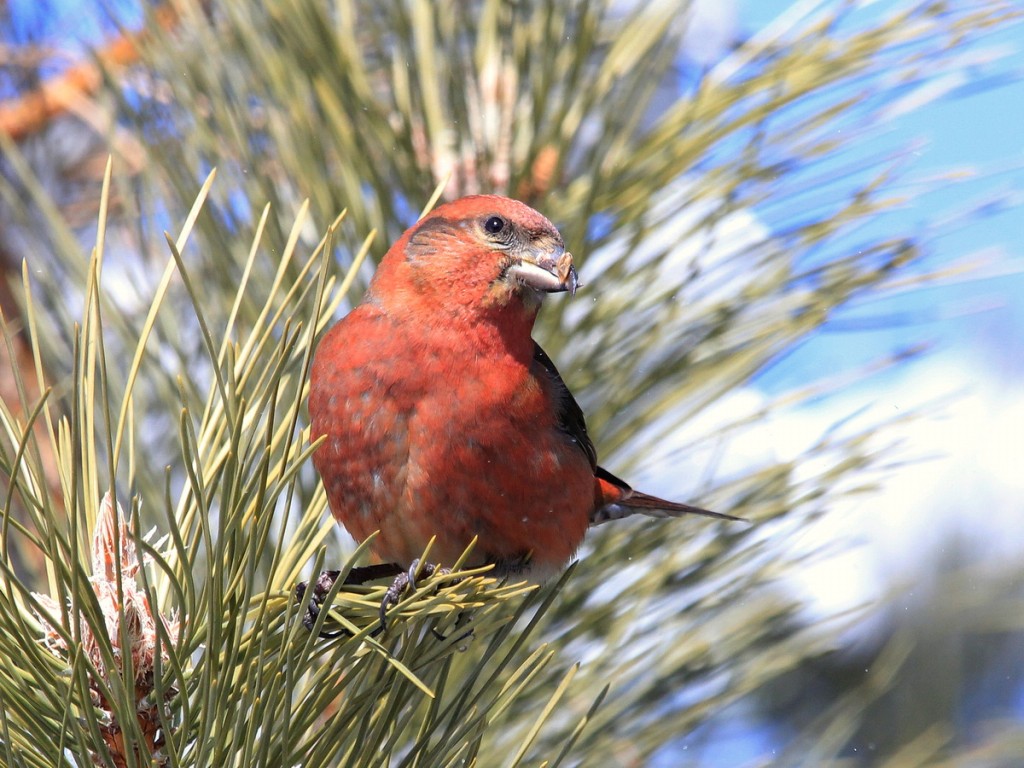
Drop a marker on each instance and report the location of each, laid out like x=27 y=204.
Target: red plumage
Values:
x=443 y=417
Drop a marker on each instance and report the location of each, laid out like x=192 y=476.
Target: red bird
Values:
x=443 y=417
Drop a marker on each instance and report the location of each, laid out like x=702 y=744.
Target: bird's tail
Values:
x=615 y=500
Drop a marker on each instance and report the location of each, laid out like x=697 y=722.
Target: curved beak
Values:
x=546 y=271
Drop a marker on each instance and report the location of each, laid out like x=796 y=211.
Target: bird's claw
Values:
x=403 y=581
x=325 y=582
x=321 y=587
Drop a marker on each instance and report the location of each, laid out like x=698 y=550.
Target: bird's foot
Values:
x=325 y=582
x=403 y=581
x=321 y=587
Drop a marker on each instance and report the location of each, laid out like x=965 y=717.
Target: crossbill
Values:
x=442 y=417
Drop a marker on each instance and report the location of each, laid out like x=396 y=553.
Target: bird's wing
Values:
x=568 y=413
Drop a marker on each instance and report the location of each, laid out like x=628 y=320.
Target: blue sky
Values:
x=979 y=131
x=972 y=485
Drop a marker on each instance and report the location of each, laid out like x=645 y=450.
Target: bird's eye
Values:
x=494 y=224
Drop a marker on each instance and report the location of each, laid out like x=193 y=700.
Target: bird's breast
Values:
x=431 y=436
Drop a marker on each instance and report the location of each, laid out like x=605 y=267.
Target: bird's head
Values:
x=478 y=253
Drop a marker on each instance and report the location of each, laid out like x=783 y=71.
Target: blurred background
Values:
x=801 y=234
